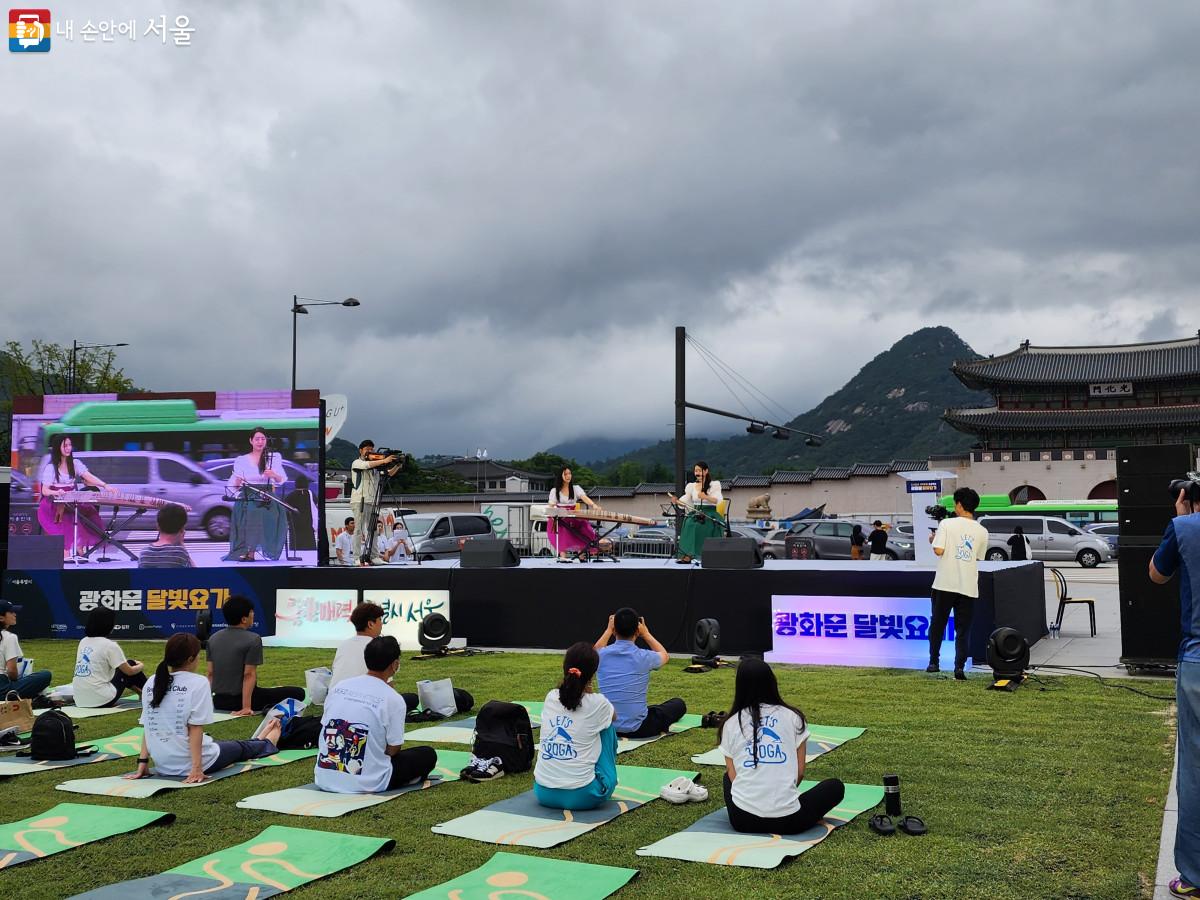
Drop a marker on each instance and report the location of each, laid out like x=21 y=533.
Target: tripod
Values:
x=372 y=523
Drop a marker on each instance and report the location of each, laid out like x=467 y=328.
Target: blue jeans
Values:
x=1187 y=833
x=590 y=795
x=27 y=688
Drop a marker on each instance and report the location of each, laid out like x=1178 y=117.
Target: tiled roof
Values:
x=473 y=499
x=831 y=473
x=910 y=465
x=871 y=469
x=610 y=492
x=1162 y=360
x=740 y=481
x=993 y=419
x=653 y=488
x=791 y=478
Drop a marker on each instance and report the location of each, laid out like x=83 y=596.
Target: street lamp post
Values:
x=300 y=307
x=75 y=348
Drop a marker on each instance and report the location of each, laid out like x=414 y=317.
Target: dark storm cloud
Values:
x=529 y=196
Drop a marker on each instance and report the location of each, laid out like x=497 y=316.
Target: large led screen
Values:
x=165 y=480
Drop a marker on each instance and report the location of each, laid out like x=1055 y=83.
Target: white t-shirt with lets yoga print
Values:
x=95 y=662
x=188 y=702
x=570 y=741
x=769 y=788
x=363 y=715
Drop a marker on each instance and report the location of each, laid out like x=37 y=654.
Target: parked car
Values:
x=756 y=534
x=648 y=541
x=832 y=538
x=441 y=535
x=1051 y=539
x=773 y=546
x=22 y=506
x=166 y=476
x=1111 y=532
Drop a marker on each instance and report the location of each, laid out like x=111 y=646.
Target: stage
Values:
x=542 y=603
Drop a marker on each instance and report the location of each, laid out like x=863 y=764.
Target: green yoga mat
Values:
x=67 y=826
x=140 y=789
x=310 y=800
x=461 y=731
x=518 y=875
x=521 y=821
x=821 y=739
x=711 y=840
x=278 y=859
x=127 y=743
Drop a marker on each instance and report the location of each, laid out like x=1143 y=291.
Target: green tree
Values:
x=45 y=368
x=544 y=463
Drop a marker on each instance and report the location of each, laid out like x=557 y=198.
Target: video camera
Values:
x=1190 y=487
x=937 y=512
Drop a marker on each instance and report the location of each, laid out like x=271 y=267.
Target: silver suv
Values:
x=437 y=535
x=1050 y=539
x=832 y=539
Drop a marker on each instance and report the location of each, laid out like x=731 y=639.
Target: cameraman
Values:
x=364 y=494
x=1180 y=551
x=960 y=543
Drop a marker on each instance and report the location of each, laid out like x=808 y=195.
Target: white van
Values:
x=1050 y=539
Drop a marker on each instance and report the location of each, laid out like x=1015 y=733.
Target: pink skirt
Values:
x=569 y=535
x=91 y=526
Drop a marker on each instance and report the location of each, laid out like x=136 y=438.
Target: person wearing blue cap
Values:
x=27 y=686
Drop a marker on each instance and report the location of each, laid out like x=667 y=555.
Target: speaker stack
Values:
x=488 y=553
x=1150 y=630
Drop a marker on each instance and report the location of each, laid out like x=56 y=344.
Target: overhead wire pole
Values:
x=757 y=426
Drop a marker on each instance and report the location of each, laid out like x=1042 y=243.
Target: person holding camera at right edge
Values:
x=960 y=543
x=1180 y=552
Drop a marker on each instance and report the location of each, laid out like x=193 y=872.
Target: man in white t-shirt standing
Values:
x=364 y=492
x=360 y=750
x=960 y=543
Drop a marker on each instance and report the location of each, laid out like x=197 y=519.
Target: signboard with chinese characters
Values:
x=890 y=632
x=1111 y=389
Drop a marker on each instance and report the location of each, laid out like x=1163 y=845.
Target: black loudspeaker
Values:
x=731 y=553
x=489 y=553
x=1150 y=629
x=35 y=551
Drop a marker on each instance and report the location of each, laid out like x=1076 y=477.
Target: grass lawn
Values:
x=1055 y=791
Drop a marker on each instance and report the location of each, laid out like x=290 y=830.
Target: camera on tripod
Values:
x=1190 y=487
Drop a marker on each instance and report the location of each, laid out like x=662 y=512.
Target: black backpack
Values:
x=503 y=730
x=53 y=738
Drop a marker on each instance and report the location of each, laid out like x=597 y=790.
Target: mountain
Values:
x=586 y=450
x=890 y=410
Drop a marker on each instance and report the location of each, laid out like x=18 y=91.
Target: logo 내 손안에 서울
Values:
x=29 y=30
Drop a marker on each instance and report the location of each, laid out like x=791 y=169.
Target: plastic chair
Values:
x=1064 y=597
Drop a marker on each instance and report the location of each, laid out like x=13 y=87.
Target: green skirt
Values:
x=697 y=529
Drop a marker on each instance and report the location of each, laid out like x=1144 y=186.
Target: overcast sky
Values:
x=527 y=197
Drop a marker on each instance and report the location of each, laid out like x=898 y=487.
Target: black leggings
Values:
x=262 y=698
x=230 y=752
x=410 y=764
x=814 y=804
x=658 y=719
x=124 y=682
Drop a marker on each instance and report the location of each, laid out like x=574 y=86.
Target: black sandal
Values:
x=913 y=825
x=882 y=824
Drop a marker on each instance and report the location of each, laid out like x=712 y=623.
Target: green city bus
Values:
x=1079 y=513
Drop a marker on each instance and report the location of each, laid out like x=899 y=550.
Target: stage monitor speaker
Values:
x=1171 y=460
x=489 y=553
x=1150 y=628
x=35 y=551
x=731 y=553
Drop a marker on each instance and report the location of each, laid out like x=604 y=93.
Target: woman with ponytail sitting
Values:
x=176 y=705
x=764 y=741
x=576 y=766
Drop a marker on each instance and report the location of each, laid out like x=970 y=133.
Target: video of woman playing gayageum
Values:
x=177 y=481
